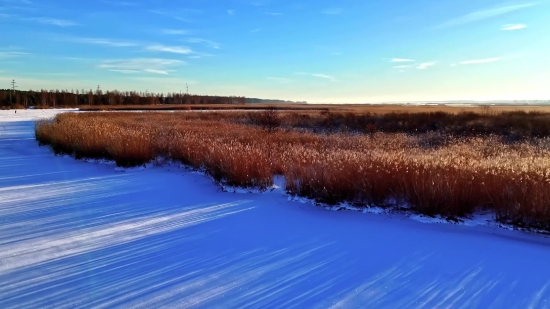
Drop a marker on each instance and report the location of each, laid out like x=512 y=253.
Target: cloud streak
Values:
x=425 y=65
x=324 y=76
x=181 y=15
x=53 y=22
x=482 y=15
x=141 y=65
x=478 y=61
x=280 y=80
x=402 y=66
x=317 y=75
x=12 y=54
x=511 y=27
x=124 y=71
x=155 y=71
x=101 y=41
x=151 y=47
x=401 y=60
x=212 y=44
x=174 y=31
x=170 y=49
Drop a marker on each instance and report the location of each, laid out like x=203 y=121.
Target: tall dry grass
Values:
x=432 y=173
x=511 y=125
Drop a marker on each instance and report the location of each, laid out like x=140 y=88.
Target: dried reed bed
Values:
x=511 y=125
x=452 y=178
x=378 y=109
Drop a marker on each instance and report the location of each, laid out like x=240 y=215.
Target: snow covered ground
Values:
x=78 y=235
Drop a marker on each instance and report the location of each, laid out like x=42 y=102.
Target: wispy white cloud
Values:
x=483 y=14
x=255 y=30
x=152 y=47
x=204 y=41
x=101 y=41
x=333 y=11
x=425 y=65
x=511 y=27
x=273 y=13
x=155 y=71
x=281 y=80
x=231 y=12
x=175 y=31
x=12 y=54
x=318 y=75
x=141 y=65
x=181 y=14
x=53 y=21
x=401 y=60
x=478 y=61
x=52 y=74
x=402 y=66
x=74 y=58
x=170 y=49
x=124 y=71
x=197 y=55
x=324 y=76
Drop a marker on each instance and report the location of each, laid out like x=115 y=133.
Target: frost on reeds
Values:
x=446 y=175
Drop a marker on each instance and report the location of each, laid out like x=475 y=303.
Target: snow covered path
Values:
x=81 y=235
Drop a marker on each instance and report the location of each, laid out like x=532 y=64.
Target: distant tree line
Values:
x=269 y=101
x=65 y=98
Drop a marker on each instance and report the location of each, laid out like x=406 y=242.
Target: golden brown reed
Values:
x=452 y=178
x=348 y=108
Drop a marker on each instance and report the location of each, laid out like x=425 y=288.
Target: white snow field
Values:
x=76 y=234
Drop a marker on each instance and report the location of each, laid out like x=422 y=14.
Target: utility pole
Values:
x=13 y=89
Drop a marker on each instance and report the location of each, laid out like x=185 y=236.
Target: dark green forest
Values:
x=73 y=98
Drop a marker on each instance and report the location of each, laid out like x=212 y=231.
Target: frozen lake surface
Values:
x=76 y=234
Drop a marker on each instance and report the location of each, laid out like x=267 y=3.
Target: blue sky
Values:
x=319 y=51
